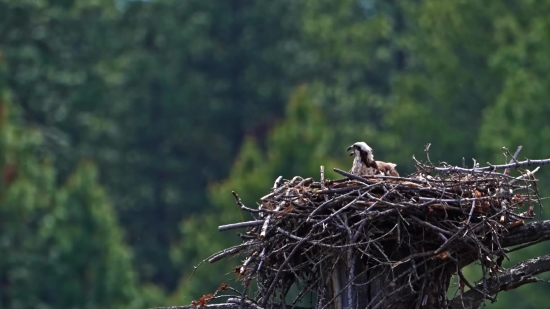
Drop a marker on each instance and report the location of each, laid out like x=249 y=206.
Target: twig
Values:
x=471 y=212
x=526 y=175
x=280 y=272
x=493 y=167
x=513 y=160
x=239 y=225
x=230 y=251
x=354 y=177
x=341 y=209
x=277 y=182
x=268 y=219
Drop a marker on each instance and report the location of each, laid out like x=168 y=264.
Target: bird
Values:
x=365 y=165
x=387 y=168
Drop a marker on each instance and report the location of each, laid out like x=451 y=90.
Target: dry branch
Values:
x=509 y=279
x=531 y=233
x=231 y=304
x=494 y=167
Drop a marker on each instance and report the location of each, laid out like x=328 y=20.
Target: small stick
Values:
x=328 y=203
x=450 y=200
x=419 y=181
x=280 y=272
x=426 y=150
x=276 y=185
x=526 y=175
x=248 y=261
x=239 y=203
x=323 y=181
x=354 y=177
x=233 y=226
x=280 y=188
x=341 y=209
x=367 y=181
x=461 y=275
x=277 y=182
x=431 y=226
x=493 y=167
x=230 y=251
x=514 y=159
x=268 y=219
x=471 y=212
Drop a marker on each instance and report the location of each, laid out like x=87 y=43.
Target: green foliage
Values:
x=154 y=94
x=354 y=60
x=296 y=146
x=85 y=247
x=61 y=246
x=447 y=81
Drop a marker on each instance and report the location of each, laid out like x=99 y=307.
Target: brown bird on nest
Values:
x=365 y=165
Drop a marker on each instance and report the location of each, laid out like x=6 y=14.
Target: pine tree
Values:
x=299 y=145
x=61 y=245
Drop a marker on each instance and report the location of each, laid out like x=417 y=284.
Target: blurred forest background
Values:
x=125 y=125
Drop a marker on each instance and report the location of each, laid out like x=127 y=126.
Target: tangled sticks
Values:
x=381 y=242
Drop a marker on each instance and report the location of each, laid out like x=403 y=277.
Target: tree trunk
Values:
x=387 y=286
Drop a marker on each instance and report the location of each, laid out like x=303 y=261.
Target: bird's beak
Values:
x=350 y=148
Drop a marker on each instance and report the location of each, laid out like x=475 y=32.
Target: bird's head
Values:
x=360 y=147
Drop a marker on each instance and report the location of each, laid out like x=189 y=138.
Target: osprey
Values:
x=387 y=168
x=365 y=165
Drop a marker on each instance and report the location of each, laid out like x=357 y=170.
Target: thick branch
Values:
x=533 y=232
x=511 y=278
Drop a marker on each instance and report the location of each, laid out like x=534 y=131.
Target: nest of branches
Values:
x=364 y=241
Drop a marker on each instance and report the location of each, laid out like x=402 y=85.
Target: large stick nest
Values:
x=305 y=230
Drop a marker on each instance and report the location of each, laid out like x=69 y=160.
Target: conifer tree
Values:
x=61 y=245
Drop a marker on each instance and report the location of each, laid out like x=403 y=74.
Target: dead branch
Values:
x=509 y=279
x=514 y=159
x=240 y=225
x=532 y=233
x=494 y=167
x=232 y=303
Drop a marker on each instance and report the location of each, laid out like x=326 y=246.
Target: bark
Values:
x=530 y=234
x=509 y=279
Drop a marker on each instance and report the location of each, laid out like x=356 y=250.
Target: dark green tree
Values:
x=159 y=94
x=357 y=53
x=61 y=246
x=198 y=76
x=299 y=145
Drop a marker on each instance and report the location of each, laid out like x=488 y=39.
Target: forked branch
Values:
x=509 y=279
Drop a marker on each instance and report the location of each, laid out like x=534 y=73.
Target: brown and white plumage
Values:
x=387 y=168
x=365 y=165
